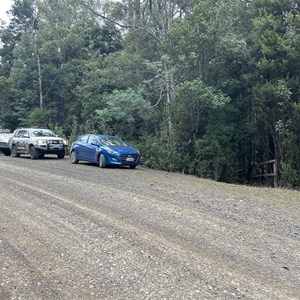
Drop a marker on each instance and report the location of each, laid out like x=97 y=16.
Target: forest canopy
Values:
x=204 y=87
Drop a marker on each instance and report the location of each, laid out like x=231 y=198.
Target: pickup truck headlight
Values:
x=41 y=142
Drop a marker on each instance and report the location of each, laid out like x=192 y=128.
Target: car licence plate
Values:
x=55 y=146
x=129 y=159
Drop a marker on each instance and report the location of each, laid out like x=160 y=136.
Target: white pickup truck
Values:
x=36 y=142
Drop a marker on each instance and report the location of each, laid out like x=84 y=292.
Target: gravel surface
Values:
x=81 y=232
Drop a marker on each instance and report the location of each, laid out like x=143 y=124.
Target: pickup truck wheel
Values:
x=33 y=153
x=102 y=161
x=61 y=154
x=14 y=151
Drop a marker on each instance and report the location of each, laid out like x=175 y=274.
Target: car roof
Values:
x=32 y=128
x=97 y=135
x=104 y=135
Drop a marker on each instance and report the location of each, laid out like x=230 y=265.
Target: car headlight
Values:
x=41 y=142
x=111 y=151
x=65 y=142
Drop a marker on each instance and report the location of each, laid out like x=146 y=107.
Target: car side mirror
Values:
x=94 y=144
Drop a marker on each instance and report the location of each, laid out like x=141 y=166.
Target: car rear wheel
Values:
x=34 y=154
x=14 y=151
x=74 y=159
x=102 y=161
x=61 y=154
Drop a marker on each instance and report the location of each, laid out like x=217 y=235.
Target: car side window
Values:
x=84 y=139
x=26 y=134
x=92 y=139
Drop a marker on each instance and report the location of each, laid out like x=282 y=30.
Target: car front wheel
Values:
x=74 y=159
x=102 y=161
x=14 y=151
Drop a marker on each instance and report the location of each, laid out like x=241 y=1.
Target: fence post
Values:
x=275 y=174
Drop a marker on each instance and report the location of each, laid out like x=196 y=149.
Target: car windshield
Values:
x=42 y=132
x=112 y=141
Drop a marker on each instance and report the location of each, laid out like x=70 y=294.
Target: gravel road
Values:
x=81 y=232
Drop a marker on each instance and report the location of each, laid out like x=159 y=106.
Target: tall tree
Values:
x=26 y=16
x=277 y=92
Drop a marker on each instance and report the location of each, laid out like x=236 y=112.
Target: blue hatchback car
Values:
x=105 y=150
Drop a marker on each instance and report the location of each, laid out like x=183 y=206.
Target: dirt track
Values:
x=81 y=232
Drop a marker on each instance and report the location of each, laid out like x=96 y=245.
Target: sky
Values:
x=4 y=6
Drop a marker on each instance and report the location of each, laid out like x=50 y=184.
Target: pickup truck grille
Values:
x=54 y=142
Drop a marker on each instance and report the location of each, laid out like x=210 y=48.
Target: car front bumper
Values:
x=123 y=159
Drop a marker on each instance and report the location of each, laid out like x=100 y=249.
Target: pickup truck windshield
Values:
x=40 y=132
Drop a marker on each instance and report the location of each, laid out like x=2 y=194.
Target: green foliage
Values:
x=193 y=102
x=39 y=118
x=153 y=153
x=5 y=86
x=124 y=111
x=290 y=177
x=121 y=70
x=214 y=157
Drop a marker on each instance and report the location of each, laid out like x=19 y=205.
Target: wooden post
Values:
x=275 y=174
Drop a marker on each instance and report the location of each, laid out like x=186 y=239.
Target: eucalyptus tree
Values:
x=8 y=40
x=125 y=113
x=53 y=42
x=208 y=51
x=144 y=27
x=276 y=93
x=26 y=15
x=5 y=85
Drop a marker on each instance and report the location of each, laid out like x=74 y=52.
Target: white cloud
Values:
x=5 y=5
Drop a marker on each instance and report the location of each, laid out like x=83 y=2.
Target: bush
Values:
x=289 y=177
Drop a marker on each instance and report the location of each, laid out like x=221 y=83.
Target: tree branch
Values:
x=119 y=24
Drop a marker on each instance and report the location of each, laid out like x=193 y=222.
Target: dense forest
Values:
x=204 y=87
